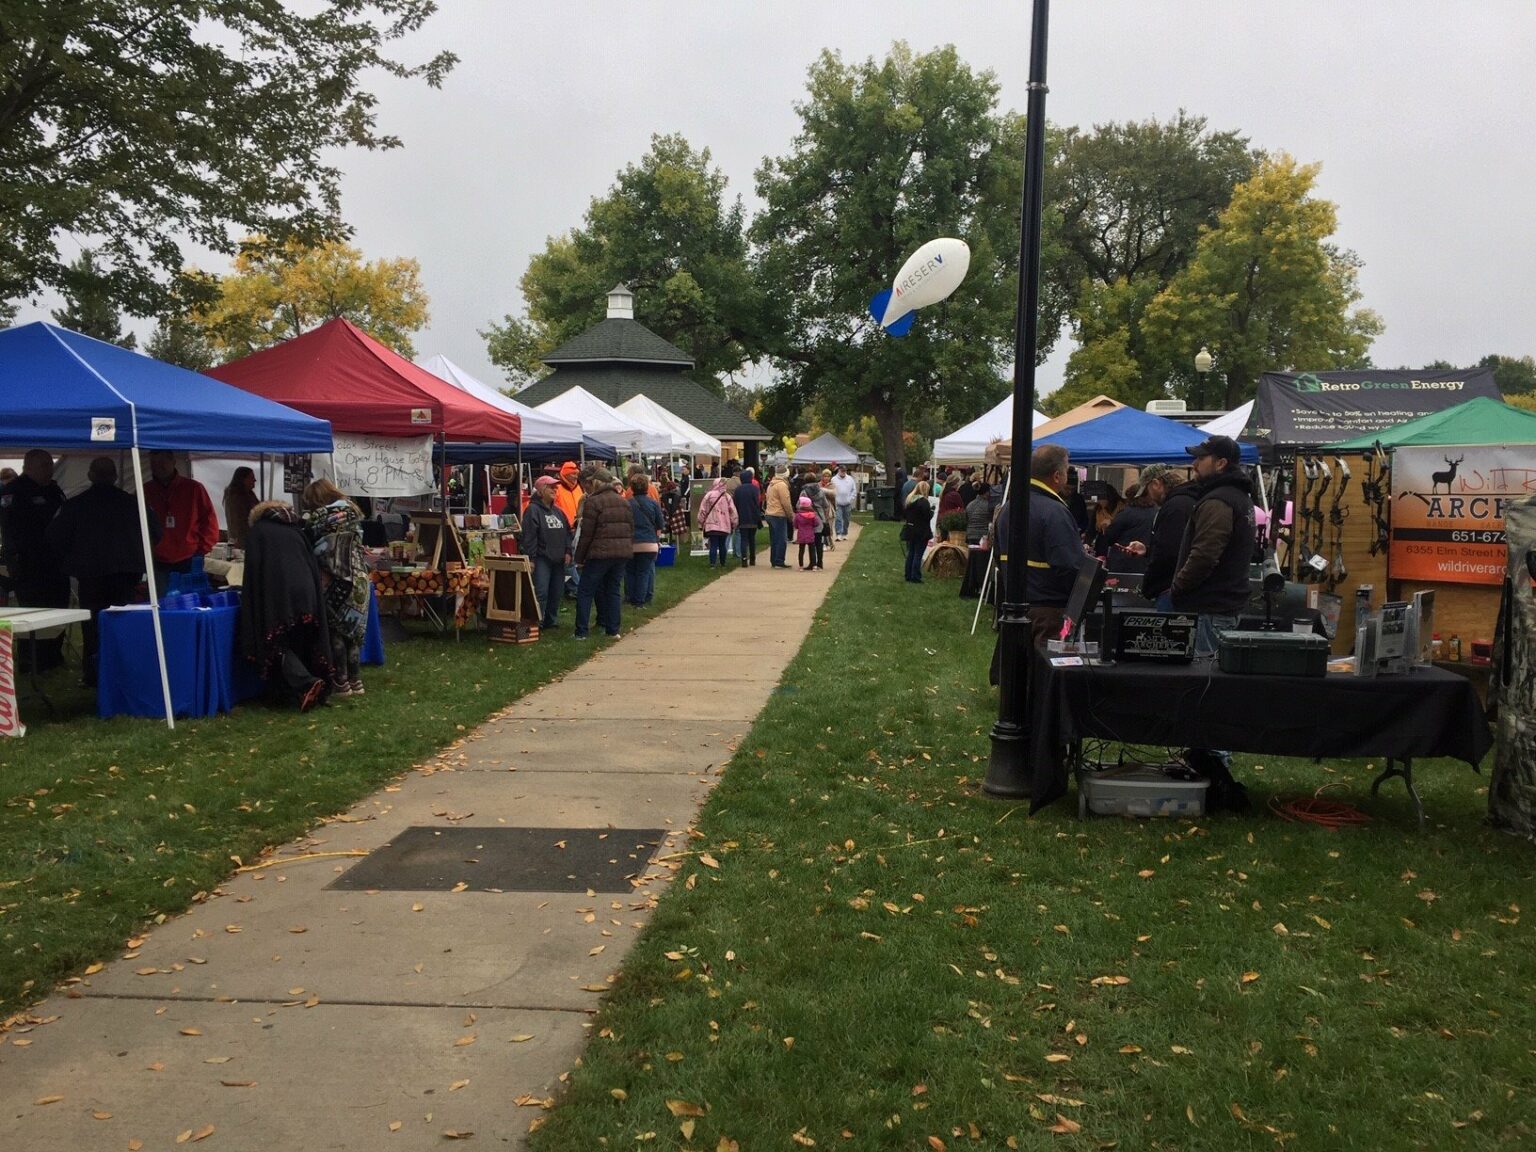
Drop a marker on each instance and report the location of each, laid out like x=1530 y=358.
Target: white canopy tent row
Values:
x=826 y=449
x=687 y=439
x=604 y=422
x=968 y=445
x=538 y=427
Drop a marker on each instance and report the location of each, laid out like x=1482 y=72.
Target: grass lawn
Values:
x=107 y=824
x=875 y=956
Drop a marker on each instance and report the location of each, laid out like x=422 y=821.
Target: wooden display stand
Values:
x=435 y=536
x=512 y=606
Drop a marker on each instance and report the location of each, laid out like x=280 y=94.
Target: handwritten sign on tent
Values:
x=379 y=465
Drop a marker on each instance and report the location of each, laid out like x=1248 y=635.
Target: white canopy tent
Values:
x=606 y=423
x=1231 y=424
x=968 y=445
x=538 y=427
x=687 y=439
x=825 y=449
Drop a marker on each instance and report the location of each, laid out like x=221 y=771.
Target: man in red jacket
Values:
x=188 y=526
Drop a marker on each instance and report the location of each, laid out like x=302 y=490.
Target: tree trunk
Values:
x=889 y=421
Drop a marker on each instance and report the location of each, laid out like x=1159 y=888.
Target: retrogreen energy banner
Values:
x=1448 y=511
x=1308 y=409
x=10 y=719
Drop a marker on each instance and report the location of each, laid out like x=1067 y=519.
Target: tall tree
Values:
x=1515 y=375
x=279 y=291
x=1267 y=289
x=148 y=124
x=890 y=154
x=1133 y=199
x=179 y=340
x=667 y=230
x=88 y=303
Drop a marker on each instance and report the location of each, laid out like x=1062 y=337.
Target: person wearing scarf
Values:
x=334 y=526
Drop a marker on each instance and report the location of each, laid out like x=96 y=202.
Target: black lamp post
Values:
x=1008 y=767
x=1203 y=361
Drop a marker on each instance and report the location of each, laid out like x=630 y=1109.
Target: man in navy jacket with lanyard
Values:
x=1055 y=546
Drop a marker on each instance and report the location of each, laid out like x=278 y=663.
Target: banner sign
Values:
x=1308 y=409
x=1448 y=511
x=10 y=719
x=379 y=465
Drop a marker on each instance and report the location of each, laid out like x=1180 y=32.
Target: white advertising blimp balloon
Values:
x=929 y=275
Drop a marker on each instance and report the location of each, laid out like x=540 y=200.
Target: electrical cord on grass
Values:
x=1314 y=809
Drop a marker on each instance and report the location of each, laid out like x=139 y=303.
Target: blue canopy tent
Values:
x=1129 y=436
x=62 y=390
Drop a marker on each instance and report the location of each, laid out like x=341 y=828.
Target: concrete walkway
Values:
x=286 y=1014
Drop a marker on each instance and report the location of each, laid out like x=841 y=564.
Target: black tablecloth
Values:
x=1427 y=712
x=975 y=573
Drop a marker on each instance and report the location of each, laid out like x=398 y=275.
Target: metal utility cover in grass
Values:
x=425 y=859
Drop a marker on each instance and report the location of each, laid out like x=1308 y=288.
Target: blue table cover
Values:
x=202 y=654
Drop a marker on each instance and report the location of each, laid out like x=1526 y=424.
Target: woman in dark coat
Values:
x=917 y=530
x=282 y=607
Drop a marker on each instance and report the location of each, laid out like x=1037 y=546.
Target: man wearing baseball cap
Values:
x=1211 y=579
x=1211 y=574
x=1174 y=498
x=546 y=540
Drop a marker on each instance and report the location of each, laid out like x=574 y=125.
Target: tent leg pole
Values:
x=154 y=593
x=991 y=557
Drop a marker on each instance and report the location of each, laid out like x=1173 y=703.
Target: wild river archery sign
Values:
x=1448 y=511
x=1308 y=409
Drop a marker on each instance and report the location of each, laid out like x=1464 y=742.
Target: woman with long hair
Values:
x=240 y=501
x=334 y=526
x=917 y=529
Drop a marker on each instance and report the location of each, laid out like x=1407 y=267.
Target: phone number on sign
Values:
x=1489 y=536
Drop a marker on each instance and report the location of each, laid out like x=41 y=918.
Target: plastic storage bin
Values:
x=666 y=556
x=1273 y=654
x=1139 y=790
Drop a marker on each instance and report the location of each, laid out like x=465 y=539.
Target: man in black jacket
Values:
x=1211 y=577
x=27 y=504
x=546 y=540
x=97 y=540
x=748 y=499
x=1055 y=550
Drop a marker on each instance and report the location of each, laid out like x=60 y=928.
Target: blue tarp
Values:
x=59 y=389
x=1130 y=436
x=533 y=452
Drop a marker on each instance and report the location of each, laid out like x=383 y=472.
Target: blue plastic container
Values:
x=666 y=556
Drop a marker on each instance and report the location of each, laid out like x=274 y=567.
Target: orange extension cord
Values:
x=1314 y=809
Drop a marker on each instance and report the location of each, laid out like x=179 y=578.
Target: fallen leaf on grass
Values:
x=1109 y=981
x=1189 y=1112
x=709 y=861
x=936 y=1144
x=618 y=1094
x=1129 y=1049
x=1180 y=1050
x=1146 y=874
x=789 y=1042
x=1057 y=1058
x=41 y=1100
x=684 y=1108
x=686 y=1128
x=1065 y=1126
x=1250 y=977
x=799 y=1138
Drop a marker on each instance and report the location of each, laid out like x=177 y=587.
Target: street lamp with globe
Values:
x=1203 y=361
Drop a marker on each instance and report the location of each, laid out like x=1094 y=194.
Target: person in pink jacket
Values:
x=808 y=534
x=717 y=520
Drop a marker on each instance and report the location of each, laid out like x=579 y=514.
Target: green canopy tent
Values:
x=1477 y=422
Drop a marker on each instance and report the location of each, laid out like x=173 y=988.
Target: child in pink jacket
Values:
x=808 y=534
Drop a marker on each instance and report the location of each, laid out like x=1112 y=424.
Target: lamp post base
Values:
x=1008 y=766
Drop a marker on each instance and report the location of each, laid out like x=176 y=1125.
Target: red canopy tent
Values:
x=339 y=373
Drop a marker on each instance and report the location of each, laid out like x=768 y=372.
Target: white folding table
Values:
x=30 y=621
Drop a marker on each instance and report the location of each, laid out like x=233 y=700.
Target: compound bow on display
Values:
x=1301 y=516
x=1375 y=487
x=1337 y=513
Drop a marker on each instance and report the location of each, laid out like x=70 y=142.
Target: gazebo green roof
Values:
x=618 y=340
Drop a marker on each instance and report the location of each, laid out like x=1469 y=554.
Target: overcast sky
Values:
x=1421 y=114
